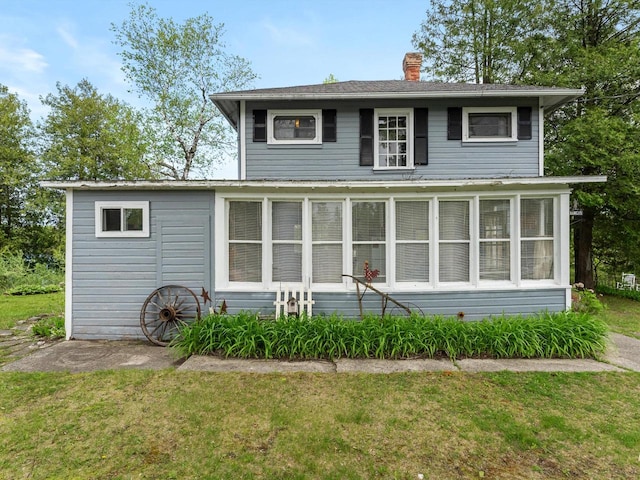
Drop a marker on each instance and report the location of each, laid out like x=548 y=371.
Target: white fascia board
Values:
x=548 y=97
x=323 y=184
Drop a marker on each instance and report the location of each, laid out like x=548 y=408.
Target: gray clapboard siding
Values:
x=340 y=160
x=475 y=304
x=112 y=277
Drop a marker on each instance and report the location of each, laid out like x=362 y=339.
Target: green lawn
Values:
x=169 y=424
x=622 y=315
x=199 y=425
x=14 y=308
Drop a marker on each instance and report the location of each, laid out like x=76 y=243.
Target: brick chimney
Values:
x=411 y=66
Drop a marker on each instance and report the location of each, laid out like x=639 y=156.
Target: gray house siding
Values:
x=112 y=277
x=475 y=305
x=447 y=158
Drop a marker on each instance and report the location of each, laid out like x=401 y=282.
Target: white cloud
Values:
x=64 y=31
x=23 y=59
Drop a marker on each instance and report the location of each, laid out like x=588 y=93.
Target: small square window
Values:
x=123 y=219
x=489 y=124
x=294 y=127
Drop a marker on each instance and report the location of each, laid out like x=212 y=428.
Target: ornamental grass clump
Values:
x=245 y=335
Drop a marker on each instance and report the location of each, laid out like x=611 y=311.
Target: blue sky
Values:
x=287 y=42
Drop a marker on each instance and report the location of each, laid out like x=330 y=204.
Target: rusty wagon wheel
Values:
x=165 y=310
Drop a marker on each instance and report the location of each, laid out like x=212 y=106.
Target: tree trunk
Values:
x=582 y=247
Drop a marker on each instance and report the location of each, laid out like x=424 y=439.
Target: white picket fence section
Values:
x=302 y=297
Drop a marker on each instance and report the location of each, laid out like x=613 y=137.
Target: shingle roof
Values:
x=382 y=86
x=550 y=97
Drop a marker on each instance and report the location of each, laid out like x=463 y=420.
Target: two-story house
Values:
x=437 y=186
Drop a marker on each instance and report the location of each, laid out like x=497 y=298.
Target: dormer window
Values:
x=290 y=127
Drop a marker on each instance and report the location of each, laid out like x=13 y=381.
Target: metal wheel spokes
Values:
x=165 y=310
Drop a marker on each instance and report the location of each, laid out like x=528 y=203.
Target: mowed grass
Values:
x=21 y=307
x=622 y=315
x=199 y=425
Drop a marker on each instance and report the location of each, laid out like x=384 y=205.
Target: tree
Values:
x=568 y=43
x=89 y=136
x=16 y=163
x=479 y=41
x=596 y=44
x=176 y=67
x=26 y=223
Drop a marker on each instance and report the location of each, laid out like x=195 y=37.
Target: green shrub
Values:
x=16 y=277
x=566 y=334
x=49 y=327
x=585 y=301
x=630 y=294
x=34 y=289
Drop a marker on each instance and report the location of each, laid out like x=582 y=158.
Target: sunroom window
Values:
x=495 y=243
x=536 y=234
x=122 y=219
x=412 y=241
x=286 y=228
x=369 y=238
x=326 y=226
x=454 y=241
x=245 y=241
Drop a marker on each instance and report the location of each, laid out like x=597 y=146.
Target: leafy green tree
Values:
x=16 y=167
x=28 y=224
x=569 y=43
x=596 y=44
x=479 y=41
x=89 y=136
x=176 y=66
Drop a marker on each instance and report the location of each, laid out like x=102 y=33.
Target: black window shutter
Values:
x=420 y=134
x=454 y=123
x=524 y=123
x=259 y=125
x=329 y=126
x=366 y=137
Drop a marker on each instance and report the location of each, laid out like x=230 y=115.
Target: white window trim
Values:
x=100 y=206
x=392 y=285
x=408 y=112
x=272 y=114
x=465 y=124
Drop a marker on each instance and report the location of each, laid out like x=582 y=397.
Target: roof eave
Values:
x=322 y=184
x=550 y=99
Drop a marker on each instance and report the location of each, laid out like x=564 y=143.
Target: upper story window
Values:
x=393 y=139
x=122 y=219
x=289 y=127
x=489 y=124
